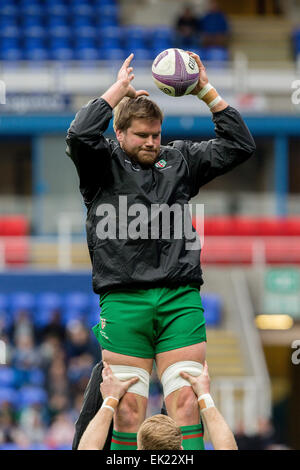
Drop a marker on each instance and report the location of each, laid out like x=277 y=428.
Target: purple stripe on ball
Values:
x=181 y=79
x=160 y=57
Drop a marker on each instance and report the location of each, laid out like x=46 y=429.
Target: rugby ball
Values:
x=175 y=72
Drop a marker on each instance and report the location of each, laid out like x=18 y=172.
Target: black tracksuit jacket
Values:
x=106 y=172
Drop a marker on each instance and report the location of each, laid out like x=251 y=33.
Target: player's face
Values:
x=141 y=141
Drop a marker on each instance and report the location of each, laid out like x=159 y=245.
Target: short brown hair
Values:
x=159 y=432
x=135 y=108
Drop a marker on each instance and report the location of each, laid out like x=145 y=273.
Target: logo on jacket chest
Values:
x=161 y=164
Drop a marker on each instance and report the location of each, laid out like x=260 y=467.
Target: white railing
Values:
x=238 y=399
x=250 y=335
x=250 y=251
x=93 y=77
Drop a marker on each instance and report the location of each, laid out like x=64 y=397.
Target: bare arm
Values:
x=220 y=434
x=95 y=435
x=112 y=391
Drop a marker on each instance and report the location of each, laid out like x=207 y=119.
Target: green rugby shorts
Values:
x=145 y=322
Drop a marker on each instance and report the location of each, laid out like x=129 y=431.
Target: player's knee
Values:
x=127 y=415
x=186 y=405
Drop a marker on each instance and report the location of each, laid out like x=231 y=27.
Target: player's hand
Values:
x=113 y=387
x=125 y=77
x=200 y=384
x=203 y=80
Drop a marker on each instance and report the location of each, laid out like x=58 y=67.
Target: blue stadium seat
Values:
x=56 y=8
x=215 y=54
x=93 y=318
x=99 y=3
x=86 y=53
x=212 y=305
x=36 y=54
x=60 y=49
x=61 y=53
x=85 y=31
x=59 y=31
x=11 y=53
x=81 y=8
x=8 y=395
x=78 y=301
x=94 y=310
x=106 y=21
x=30 y=395
x=36 y=377
x=140 y=53
x=112 y=54
x=8 y=8
x=76 y=307
x=84 y=42
x=79 y=21
x=111 y=37
x=7 y=377
x=30 y=7
x=34 y=31
x=162 y=38
x=48 y=300
x=9 y=28
x=22 y=301
x=6 y=320
x=53 y=21
x=46 y=304
x=4 y=302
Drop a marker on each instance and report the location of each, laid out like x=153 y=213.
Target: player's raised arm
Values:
x=205 y=91
x=122 y=87
x=232 y=145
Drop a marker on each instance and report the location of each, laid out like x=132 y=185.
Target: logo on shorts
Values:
x=103 y=323
x=161 y=164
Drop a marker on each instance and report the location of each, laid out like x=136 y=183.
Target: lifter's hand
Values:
x=200 y=384
x=203 y=80
x=113 y=387
x=125 y=77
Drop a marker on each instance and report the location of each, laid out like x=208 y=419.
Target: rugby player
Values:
x=149 y=284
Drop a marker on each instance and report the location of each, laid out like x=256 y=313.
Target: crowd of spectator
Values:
x=43 y=381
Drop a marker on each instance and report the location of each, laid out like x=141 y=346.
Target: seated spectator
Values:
x=214 y=27
x=187 y=29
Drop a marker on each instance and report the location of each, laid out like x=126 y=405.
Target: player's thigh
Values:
x=195 y=352
x=113 y=358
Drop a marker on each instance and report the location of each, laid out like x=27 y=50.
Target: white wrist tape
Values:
x=204 y=91
x=205 y=401
x=104 y=405
x=214 y=102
